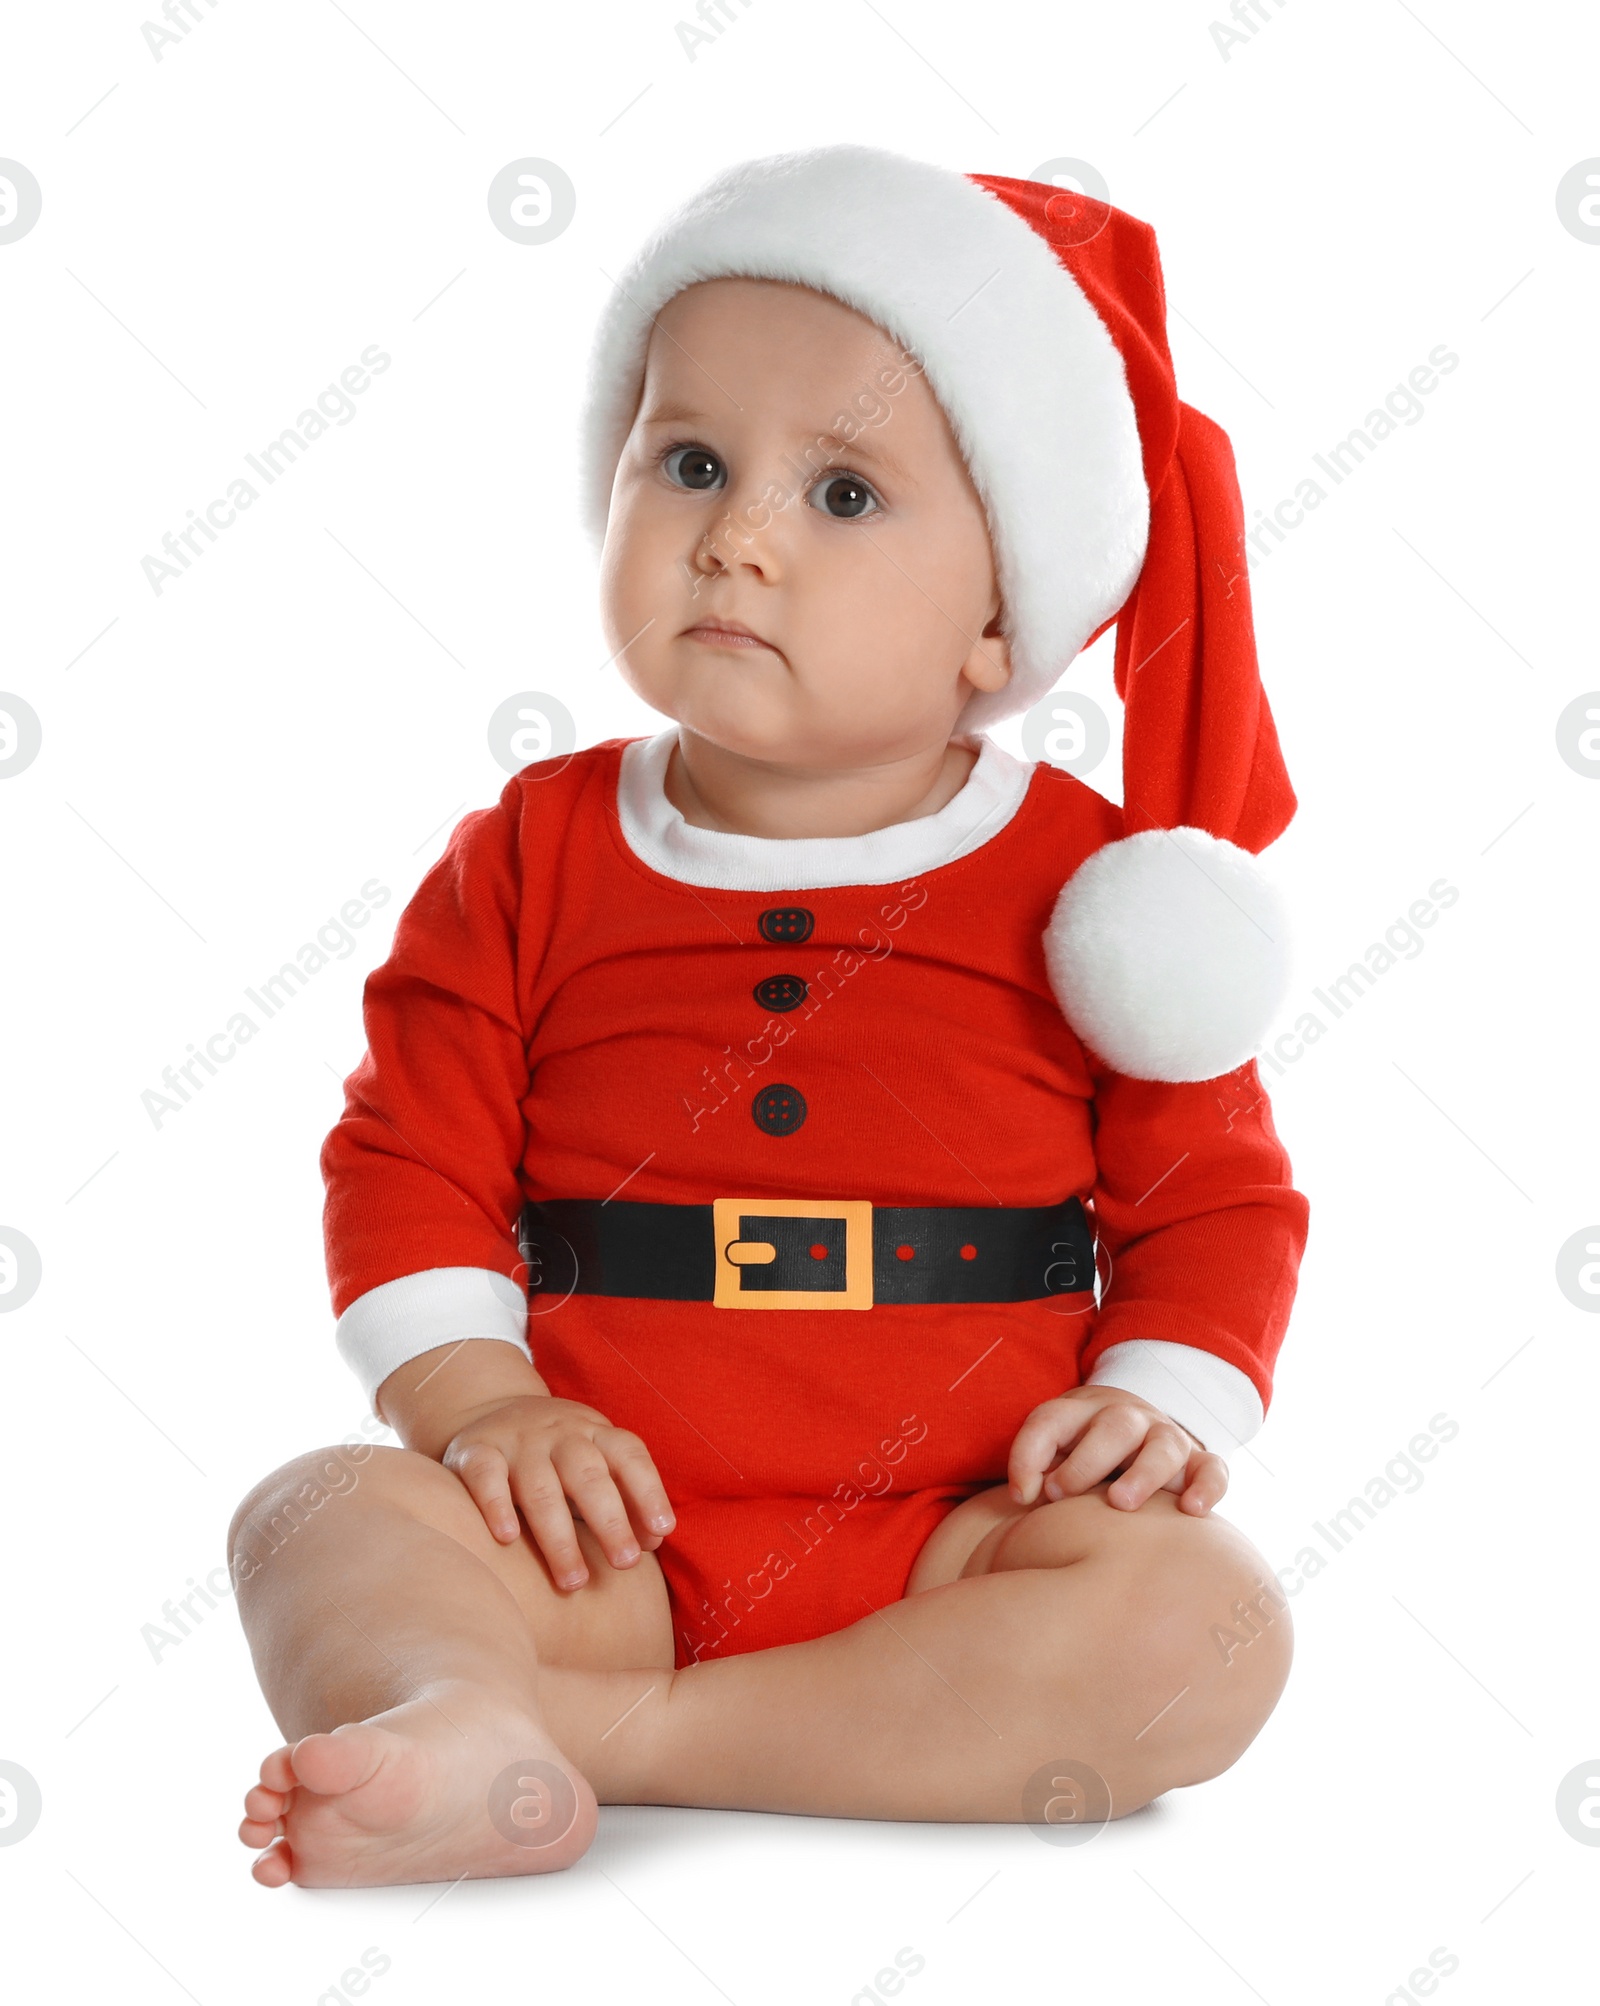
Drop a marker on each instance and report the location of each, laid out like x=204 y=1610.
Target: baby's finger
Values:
x=640 y=1483
x=1046 y=1430
x=1207 y=1482
x=587 y=1478
x=544 y=1505
x=483 y=1470
x=1109 y=1440
x=1165 y=1452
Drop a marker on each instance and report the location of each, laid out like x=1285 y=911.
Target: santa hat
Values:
x=1039 y=317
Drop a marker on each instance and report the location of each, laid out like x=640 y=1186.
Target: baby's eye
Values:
x=694 y=468
x=844 y=497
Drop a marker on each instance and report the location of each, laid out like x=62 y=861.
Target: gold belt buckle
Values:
x=734 y=1253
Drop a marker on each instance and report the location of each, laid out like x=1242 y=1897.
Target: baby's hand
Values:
x=536 y=1452
x=1111 y=1428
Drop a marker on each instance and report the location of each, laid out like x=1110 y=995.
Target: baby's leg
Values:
x=1149 y=1645
x=399 y=1647
x=1145 y=1645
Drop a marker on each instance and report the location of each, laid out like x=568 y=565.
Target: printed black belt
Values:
x=805 y=1253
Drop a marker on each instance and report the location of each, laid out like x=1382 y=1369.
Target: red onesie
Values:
x=569 y=1010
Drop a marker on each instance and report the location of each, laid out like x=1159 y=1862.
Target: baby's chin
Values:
x=784 y=713
x=746 y=704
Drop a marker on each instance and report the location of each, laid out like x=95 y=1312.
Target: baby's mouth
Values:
x=725 y=634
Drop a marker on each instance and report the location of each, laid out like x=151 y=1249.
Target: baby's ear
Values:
x=988 y=664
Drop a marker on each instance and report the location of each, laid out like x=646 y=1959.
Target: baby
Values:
x=714 y=1215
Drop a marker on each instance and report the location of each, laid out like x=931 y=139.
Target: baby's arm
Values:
x=480 y=1408
x=1204 y=1230
x=423 y=1192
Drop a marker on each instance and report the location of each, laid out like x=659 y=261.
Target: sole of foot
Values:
x=452 y=1783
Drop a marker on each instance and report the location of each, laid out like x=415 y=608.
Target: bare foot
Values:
x=455 y=1783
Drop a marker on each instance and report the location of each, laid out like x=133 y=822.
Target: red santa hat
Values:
x=1039 y=317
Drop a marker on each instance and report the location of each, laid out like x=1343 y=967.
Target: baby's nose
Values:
x=746 y=533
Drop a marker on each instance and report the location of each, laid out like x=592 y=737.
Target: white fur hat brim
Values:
x=1023 y=366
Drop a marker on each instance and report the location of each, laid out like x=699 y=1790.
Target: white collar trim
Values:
x=721 y=859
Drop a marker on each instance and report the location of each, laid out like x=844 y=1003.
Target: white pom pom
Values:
x=1168 y=953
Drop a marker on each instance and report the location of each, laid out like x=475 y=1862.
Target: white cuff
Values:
x=401 y=1319
x=1214 y=1400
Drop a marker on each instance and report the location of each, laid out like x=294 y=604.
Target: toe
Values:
x=264 y=1806
x=257 y=1833
x=274 y=1869
x=331 y=1764
x=277 y=1772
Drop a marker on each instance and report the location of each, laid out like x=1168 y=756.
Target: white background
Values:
x=224 y=764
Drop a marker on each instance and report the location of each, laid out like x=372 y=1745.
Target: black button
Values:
x=781 y=992
x=779 y=1110
x=784 y=923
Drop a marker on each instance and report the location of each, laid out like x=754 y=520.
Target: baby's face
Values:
x=862 y=566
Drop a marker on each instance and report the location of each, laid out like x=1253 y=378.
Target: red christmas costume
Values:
x=569 y=1009
x=542 y=1029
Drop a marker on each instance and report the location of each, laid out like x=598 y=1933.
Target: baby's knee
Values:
x=1217 y=1625
x=1193 y=1639
x=295 y=1495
